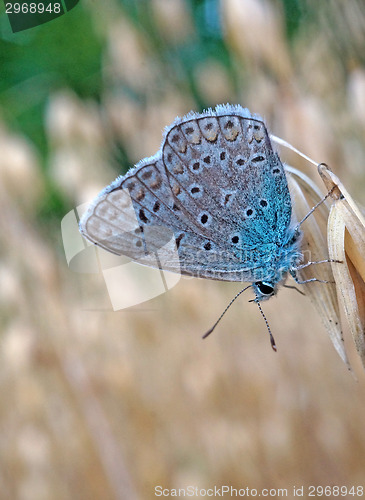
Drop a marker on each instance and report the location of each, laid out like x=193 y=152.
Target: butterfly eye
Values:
x=264 y=288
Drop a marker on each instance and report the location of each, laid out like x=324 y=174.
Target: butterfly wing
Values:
x=222 y=164
x=216 y=185
x=137 y=216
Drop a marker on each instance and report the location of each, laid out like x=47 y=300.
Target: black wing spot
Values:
x=204 y=218
x=258 y=158
x=222 y=156
x=138 y=243
x=263 y=203
x=189 y=130
x=142 y=216
x=196 y=165
x=208 y=245
x=178 y=240
x=240 y=162
x=195 y=190
x=229 y=124
x=235 y=239
x=209 y=126
x=175 y=138
x=156 y=206
x=207 y=159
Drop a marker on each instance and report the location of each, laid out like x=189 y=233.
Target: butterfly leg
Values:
x=316 y=206
x=310 y=280
x=303 y=266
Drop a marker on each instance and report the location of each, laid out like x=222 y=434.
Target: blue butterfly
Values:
x=220 y=190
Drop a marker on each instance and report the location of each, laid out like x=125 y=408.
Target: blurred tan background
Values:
x=96 y=404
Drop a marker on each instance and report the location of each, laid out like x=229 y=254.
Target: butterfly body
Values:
x=218 y=187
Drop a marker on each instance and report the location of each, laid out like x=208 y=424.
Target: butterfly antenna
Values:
x=224 y=312
x=272 y=340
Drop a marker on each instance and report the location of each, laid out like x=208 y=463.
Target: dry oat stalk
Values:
x=346 y=242
x=306 y=194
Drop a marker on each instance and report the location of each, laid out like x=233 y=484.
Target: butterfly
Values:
x=217 y=189
x=217 y=186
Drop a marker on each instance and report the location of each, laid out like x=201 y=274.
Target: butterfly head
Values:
x=264 y=290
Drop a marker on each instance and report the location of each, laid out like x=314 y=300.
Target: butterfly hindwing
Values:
x=223 y=165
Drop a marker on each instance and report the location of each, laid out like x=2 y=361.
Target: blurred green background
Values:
x=101 y=404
